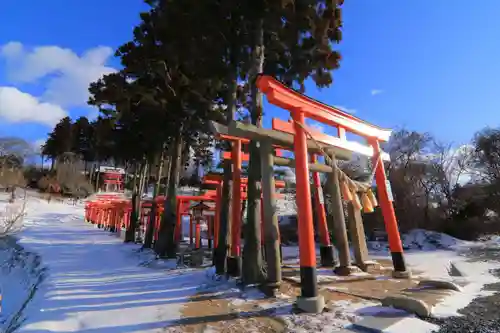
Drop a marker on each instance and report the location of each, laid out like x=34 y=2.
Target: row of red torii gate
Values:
x=307 y=145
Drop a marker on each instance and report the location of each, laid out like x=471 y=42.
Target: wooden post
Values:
x=358 y=238
x=157 y=222
x=262 y=224
x=178 y=222
x=210 y=231
x=270 y=220
x=339 y=227
x=182 y=210
x=112 y=219
x=191 y=229
x=197 y=233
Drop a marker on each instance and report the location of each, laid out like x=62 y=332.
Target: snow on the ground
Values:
x=340 y=314
x=19 y=273
x=434 y=254
x=437 y=264
x=428 y=240
x=94 y=282
x=19 y=269
x=286 y=207
x=422 y=240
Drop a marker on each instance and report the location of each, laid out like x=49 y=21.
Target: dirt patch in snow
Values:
x=235 y=310
x=211 y=312
x=225 y=308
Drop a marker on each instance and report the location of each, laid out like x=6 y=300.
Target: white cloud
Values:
x=37 y=145
x=345 y=109
x=317 y=127
x=374 y=92
x=17 y=106
x=461 y=164
x=458 y=164
x=66 y=75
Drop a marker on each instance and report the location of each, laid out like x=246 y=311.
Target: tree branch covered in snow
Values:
x=12 y=217
x=444 y=187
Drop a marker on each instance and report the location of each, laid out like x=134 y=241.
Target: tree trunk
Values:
x=148 y=240
x=130 y=233
x=252 y=252
x=220 y=253
x=168 y=165
x=243 y=207
x=271 y=227
x=185 y=158
x=143 y=183
x=134 y=182
x=144 y=180
x=159 y=172
x=13 y=194
x=97 y=177
x=166 y=247
x=426 y=211
x=91 y=173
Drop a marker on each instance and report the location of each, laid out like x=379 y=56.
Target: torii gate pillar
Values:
x=301 y=106
x=309 y=298
x=391 y=225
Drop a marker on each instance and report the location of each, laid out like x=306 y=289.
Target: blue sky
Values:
x=434 y=65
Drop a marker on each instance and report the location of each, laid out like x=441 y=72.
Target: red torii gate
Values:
x=183 y=205
x=326 y=248
x=237 y=156
x=300 y=107
x=242 y=195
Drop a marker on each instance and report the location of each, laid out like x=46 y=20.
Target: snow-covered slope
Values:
x=419 y=239
x=93 y=281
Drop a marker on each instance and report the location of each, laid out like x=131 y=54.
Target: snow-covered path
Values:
x=94 y=282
